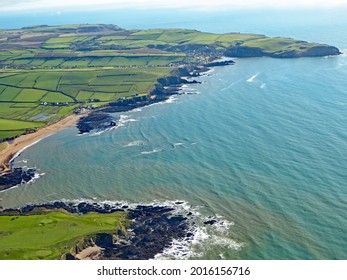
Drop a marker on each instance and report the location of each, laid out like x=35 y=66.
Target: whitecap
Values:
x=136 y=110
x=11 y=188
x=36 y=176
x=151 y=152
x=263 y=85
x=123 y=119
x=171 y=99
x=97 y=133
x=178 y=144
x=251 y=79
x=134 y=143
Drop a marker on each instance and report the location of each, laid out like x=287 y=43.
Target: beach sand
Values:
x=26 y=140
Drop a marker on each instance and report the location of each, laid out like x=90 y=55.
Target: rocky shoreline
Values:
x=15 y=177
x=99 y=119
x=153 y=228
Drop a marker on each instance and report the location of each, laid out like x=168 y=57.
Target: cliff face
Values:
x=322 y=51
x=316 y=51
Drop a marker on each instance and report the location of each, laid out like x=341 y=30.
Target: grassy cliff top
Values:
x=77 y=39
x=50 y=234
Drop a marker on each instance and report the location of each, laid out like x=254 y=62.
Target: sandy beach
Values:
x=25 y=140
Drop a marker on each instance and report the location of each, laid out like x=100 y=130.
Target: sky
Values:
x=207 y=5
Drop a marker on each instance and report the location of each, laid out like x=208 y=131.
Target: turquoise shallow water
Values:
x=263 y=145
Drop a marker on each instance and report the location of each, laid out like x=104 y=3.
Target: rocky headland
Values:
x=152 y=229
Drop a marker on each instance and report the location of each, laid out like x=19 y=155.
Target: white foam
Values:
x=208 y=72
x=251 y=79
x=151 y=152
x=97 y=133
x=171 y=99
x=203 y=236
x=134 y=143
x=263 y=85
x=226 y=243
x=178 y=144
x=36 y=176
x=344 y=53
x=124 y=119
x=136 y=110
x=14 y=187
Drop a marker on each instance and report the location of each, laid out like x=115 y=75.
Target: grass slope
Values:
x=50 y=234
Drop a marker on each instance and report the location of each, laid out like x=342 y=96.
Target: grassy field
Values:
x=25 y=94
x=51 y=234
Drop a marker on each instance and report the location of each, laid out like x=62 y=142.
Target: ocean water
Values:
x=262 y=146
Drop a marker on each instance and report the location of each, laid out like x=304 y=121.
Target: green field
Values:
x=49 y=235
x=27 y=93
x=17 y=125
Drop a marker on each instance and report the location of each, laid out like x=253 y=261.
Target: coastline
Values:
x=24 y=141
x=147 y=231
x=163 y=89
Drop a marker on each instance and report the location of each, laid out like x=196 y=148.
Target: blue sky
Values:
x=208 y=5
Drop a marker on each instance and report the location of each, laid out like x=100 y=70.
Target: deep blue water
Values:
x=263 y=146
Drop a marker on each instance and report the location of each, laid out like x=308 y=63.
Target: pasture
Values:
x=48 y=235
x=55 y=93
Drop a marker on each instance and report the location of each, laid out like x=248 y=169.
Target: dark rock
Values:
x=321 y=51
x=104 y=240
x=69 y=257
x=153 y=228
x=220 y=63
x=16 y=177
x=95 y=121
x=210 y=222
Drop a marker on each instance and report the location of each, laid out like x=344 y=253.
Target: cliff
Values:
x=315 y=51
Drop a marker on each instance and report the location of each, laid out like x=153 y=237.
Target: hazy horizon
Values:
x=201 y=5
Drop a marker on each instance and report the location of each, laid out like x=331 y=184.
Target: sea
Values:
x=260 y=146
